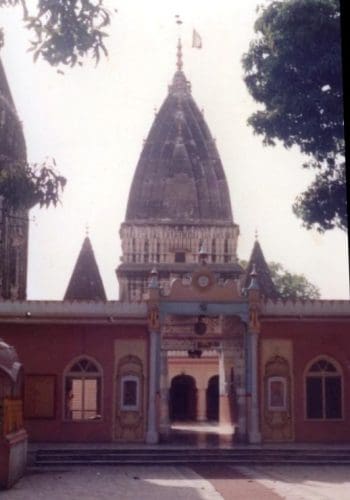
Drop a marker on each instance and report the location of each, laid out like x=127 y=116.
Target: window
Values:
x=323 y=391
x=146 y=251
x=277 y=394
x=180 y=257
x=130 y=393
x=158 y=252
x=213 y=250
x=83 y=391
x=227 y=257
x=133 y=250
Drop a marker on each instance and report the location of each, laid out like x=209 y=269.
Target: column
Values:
x=224 y=401
x=241 y=429
x=201 y=405
x=152 y=431
x=164 y=425
x=254 y=432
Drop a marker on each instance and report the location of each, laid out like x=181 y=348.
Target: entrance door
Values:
x=213 y=399
x=183 y=398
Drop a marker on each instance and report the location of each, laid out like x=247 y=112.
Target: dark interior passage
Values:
x=213 y=398
x=183 y=398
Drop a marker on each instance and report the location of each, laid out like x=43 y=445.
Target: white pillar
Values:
x=152 y=431
x=164 y=427
x=254 y=431
x=201 y=405
x=224 y=401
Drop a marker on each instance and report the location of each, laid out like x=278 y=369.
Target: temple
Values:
x=194 y=337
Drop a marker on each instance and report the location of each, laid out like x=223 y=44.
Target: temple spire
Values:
x=85 y=282
x=179 y=62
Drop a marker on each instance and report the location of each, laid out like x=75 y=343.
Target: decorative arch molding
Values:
x=326 y=357
x=76 y=359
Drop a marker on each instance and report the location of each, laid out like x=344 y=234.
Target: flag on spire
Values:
x=196 y=40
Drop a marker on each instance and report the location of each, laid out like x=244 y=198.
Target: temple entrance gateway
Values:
x=205 y=355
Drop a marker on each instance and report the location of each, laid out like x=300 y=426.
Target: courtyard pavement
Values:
x=202 y=482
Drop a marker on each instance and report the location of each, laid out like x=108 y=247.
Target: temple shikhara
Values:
x=194 y=337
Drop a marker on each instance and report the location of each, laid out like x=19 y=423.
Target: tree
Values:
x=293 y=69
x=24 y=185
x=292 y=286
x=65 y=31
x=289 y=285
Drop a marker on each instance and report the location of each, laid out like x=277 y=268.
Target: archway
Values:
x=183 y=398
x=213 y=399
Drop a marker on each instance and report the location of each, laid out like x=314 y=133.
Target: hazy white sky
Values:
x=93 y=121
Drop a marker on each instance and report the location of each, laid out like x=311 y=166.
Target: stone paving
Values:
x=203 y=482
x=111 y=483
x=325 y=482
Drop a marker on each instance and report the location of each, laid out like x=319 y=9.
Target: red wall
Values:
x=48 y=349
x=312 y=338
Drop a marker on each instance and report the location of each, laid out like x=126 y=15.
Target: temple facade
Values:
x=193 y=336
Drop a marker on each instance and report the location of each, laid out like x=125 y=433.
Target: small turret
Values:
x=85 y=282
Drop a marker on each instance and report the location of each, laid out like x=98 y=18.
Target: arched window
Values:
x=133 y=250
x=226 y=252
x=146 y=251
x=158 y=252
x=83 y=390
x=323 y=390
x=213 y=250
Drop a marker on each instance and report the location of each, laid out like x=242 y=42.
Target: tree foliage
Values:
x=24 y=185
x=65 y=31
x=294 y=70
x=292 y=286
x=289 y=285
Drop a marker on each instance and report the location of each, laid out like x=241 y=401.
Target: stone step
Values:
x=185 y=456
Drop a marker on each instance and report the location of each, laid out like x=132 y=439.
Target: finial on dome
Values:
x=179 y=63
x=87 y=230
x=256 y=234
x=203 y=254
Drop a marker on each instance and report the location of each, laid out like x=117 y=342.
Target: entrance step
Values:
x=159 y=456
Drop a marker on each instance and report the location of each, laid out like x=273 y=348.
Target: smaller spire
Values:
x=179 y=62
x=85 y=282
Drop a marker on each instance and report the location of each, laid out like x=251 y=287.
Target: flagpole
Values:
x=179 y=60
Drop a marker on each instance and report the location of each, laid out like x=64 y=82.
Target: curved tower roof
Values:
x=179 y=177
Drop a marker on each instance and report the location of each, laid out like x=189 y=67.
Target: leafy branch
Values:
x=24 y=185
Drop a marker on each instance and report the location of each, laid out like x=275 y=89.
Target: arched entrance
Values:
x=183 y=398
x=213 y=398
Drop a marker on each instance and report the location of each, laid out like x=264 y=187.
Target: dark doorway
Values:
x=183 y=398
x=213 y=399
